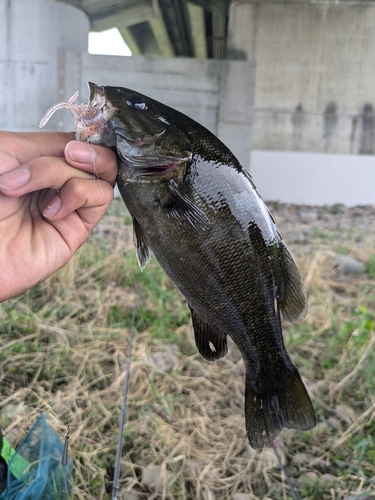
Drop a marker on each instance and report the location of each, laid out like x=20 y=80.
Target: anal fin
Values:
x=211 y=343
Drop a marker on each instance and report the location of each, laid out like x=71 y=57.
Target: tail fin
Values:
x=287 y=405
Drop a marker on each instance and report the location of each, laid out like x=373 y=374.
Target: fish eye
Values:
x=136 y=103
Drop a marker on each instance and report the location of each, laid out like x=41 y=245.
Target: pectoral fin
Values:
x=141 y=246
x=181 y=209
x=211 y=343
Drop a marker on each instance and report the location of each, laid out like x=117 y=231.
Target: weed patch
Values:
x=63 y=347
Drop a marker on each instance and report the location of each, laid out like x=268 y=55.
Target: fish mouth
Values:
x=93 y=124
x=90 y=119
x=94 y=116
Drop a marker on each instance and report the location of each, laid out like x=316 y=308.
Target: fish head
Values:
x=137 y=127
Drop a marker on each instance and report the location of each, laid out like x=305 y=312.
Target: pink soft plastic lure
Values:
x=89 y=118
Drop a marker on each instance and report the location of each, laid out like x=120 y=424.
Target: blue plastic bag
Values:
x=34 y=469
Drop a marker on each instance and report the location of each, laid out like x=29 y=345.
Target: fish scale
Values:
x=197 y=210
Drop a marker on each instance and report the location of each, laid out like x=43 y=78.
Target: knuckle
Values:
x=89 y=191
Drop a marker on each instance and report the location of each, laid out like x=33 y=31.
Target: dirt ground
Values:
x=63 y=347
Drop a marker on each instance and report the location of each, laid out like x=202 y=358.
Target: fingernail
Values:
x=15 y=178
x=52 y=209
x=81 y=152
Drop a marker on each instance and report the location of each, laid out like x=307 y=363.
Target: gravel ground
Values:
x=317 y=237
x=303 y=222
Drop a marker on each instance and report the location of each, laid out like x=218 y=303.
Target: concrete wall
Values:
x=31 y=34
x=313 y=133
x=314 y=86
x=315 y=76
x=314 y=178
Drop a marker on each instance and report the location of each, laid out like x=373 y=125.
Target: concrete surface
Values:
x=31 y=34
x=315 y=77
x=314 y=178
x=301 y=79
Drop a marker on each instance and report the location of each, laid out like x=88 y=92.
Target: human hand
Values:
x=50 y=200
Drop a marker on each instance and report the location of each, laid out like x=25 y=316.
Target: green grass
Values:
x=370 y=267
x=63 y=347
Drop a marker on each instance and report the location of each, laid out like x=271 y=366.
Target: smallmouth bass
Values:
x=197 y=210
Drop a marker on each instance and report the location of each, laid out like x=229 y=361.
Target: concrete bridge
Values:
x=288 y=85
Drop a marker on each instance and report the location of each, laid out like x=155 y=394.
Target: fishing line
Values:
x=293 y=491
x=65 y=454
x=122 y=419
x=115 y=232
x=116 y=474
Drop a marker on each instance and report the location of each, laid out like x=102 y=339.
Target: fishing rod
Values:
x=293 y=491
x=116 y=474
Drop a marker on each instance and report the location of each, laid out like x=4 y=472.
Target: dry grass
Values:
x=63 y=347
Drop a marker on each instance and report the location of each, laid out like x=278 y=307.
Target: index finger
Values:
x=97 y=160
x=26 y=146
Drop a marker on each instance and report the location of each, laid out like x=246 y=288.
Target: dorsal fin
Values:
x=281 y=274
x=294 y=304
